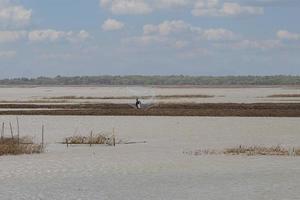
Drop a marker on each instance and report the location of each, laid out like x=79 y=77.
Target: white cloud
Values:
x=166 y=27
x=178 y=26
x=179 y=44
x=286 y=35
x=105 y=3
x=145 y=40
x=150 y=28
x=200 y=7
x=12 y=36
x=83 y=35
x=47 y=35
x=215 y=8
x=236 y=9
x=12 y=15
x=218 y=34
x=112 y=25
x=50 y=35
x=208 y=4
x=257 y=44
x=171 y=3
x=121 y=7
x=269 y=3
x=141 y=6
x=179 y=34
x=7 y=54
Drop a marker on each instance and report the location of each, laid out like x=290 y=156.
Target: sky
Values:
x=149 y=37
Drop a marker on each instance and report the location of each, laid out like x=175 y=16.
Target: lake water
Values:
x=231 y=95
x=157 y=169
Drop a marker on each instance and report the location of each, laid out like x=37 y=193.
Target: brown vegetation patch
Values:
x=163 y=109
x=92 y=139
x=13 y=146
x=250 y=151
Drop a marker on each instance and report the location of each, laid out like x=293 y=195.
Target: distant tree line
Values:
x=156 y=80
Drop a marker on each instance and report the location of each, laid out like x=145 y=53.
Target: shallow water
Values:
x=221 y=95
x=158 y=169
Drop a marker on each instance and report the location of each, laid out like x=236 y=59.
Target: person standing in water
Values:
x=138 y=103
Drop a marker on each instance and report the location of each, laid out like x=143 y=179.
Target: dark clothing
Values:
x=138 y=104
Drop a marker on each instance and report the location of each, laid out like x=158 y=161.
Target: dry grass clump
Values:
x=251 y=151
x=257 y=150
x=94 y=139
x=14 y=146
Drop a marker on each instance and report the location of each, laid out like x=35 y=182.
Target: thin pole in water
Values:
x=114 y=138
x=67 y=142
x=91 y=140
x=11 y=131
x=2 y=131
x=18 y=129
x=43 y=137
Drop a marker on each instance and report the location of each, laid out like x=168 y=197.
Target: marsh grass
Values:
x=14 y=146
x=250 y=151
x=94 y=139
x=257 y=150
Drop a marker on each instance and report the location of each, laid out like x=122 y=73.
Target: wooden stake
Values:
x=67 y=142
x=42 y=136
x=18 y=129
x=91 y=140
x=11 y=131
x=2 y=132
x=114 y=138
x=294 y=151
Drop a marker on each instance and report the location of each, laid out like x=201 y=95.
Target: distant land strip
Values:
x=129 y=97
x=167 y=109
x=178 y=80
x=284 y=95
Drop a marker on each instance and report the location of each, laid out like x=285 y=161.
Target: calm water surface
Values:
x=232 y=95
x=157 y=169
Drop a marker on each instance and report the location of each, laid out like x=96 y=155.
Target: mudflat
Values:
x=162 y=109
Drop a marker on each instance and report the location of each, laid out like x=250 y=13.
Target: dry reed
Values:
x=94 y=139
x=15 y=146
x=250 y=151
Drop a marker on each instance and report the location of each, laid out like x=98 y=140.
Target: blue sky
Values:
x=119 y=37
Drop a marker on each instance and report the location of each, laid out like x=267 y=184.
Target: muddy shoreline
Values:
x=190 y=109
